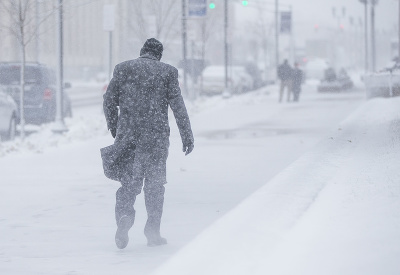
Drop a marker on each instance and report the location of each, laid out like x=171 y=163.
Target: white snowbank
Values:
x=39 y=138
x=90 y=123
x=333 y=211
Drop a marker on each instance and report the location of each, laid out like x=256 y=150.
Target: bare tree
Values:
x=162 y=15
x=261 y=31
x=22 y=25
x=167 y=16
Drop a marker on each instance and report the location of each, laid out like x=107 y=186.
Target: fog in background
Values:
x=317 y=32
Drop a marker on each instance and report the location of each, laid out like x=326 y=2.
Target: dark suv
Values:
x=40 y=91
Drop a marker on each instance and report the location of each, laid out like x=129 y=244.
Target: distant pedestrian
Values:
x=136 y=109
x=285 y=75
x=297 y=80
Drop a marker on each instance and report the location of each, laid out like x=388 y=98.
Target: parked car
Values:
x=335 y=83
x=8 y=116
x=213 y=78
x=385 y=82
x=39 y=94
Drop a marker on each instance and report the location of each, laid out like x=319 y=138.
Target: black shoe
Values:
x=121 y=236
x=156 y=241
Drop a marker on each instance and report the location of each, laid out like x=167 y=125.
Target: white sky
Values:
x=320 y=11
x=308 y=13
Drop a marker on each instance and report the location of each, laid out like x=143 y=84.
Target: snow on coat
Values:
x=137 y=99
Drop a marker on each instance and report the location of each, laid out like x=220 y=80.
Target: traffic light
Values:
x=211 y=5
x=245 y=3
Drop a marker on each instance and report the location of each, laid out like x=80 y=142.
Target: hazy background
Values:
x=316 y=33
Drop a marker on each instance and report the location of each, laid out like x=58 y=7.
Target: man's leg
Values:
x=154 y=190
x=124 y=215
x=296 y=92
x=125 y=199
x=281 y=91
x=154 y=199
x=289 y=89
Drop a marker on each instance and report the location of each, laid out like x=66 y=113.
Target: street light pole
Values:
x=37 y=18
x=276 y=33
x=373 y=46
x=110 y=46
x=365 y=2
x=184 y=47
x=59 y=126
x=226 y=91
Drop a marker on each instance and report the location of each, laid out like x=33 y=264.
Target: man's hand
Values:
x=188 y=148
x=113 y=132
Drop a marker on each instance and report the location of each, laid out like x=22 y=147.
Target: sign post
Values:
x=108 y=25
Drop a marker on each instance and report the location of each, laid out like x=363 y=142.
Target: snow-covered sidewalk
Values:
x=333 y=211
x=57 y=207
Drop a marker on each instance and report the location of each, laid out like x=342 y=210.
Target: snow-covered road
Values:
x=86 y=94
x=56 y=207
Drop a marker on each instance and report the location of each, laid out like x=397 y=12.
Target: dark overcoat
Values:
x=285 y=72
x=297 y=78
x=137 y=99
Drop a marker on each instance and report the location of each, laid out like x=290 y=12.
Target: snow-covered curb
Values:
x=80 y=128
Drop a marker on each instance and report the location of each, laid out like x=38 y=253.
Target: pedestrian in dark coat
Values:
x=285 y=75
x=297 y=80
x=136 y=109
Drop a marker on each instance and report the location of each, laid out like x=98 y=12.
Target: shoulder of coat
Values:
x=168 y=66
x=125 y=64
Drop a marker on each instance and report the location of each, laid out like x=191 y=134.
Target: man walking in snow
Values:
x=297 y=80
x=285 y=75
x=136 y=109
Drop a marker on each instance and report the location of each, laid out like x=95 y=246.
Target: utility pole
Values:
x=276 y=33
x=37 y=19
x=22 y=76
x=339 y=38
x=108 y=25
x=192 y=70
x=59 y=126
x=366 y=36
x=226 y=92
x=373 y=43
x=110 y=71
x=365 y=2
x=184 y=47
x=292 y=45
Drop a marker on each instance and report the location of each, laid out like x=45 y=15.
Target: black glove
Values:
x=188 y=148
x=113 y=132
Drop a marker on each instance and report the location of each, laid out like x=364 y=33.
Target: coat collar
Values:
x=149 y=56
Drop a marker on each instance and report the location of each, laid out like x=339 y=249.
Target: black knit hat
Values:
x=154 y=47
